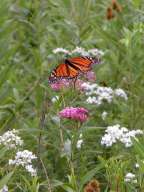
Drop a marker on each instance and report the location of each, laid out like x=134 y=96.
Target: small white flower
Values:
x=80 y=50
x=24 y=158
x=60 y=50
x=4 y=189
x=107 y=140
x=121 y=93
x=55 y=99
x=31 y=170
x=91 y=100
x=137 y=165
x=10 y=139
x=95 y=52
x=130 y=177
x=104 y=115
x=79 y=143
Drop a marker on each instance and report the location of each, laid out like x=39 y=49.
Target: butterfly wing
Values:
x=63 y=71
x=82 y=64
x=71 y=68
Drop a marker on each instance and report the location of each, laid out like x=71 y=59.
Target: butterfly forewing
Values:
x=83 y=64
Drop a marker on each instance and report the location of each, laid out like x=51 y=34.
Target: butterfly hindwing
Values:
x=63 y=71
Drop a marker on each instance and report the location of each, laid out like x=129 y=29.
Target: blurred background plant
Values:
x=66 y=161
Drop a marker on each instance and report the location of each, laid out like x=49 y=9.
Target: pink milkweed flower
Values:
x=78 y=84
x=90 y=75
x=56 y=86
x=75 y=113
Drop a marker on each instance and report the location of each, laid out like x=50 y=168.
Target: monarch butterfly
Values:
x=72 y=68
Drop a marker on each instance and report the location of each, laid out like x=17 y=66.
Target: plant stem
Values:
x=42 y=121
x=48 y=180
x=61 y=137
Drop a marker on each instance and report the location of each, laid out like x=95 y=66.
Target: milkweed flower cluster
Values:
x=24 y=158
x=97 y=94
x=4 y=189
x=79 y=50
x=75 y=113
x=90 y=76
x=11 y=140
x=130 y=177
x=116 y=133
x=63 y=83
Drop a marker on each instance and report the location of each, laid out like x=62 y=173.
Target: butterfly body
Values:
x=71 y=68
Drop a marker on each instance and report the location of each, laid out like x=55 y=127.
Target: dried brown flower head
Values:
x=92 y=186
x=116 y=6
x=109 y=14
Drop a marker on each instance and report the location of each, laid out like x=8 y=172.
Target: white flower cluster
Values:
x=121 y=93
x=79 y=50
x=24 y=158
x=79 y=142
x=60 y=50
x=4 y=189
x=98 y=94
x=116 y=133
x=130 y=177
x=10 y=139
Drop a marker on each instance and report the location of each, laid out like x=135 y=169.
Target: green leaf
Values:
x=89 y=175
x=136 y=3
x=5 y=179
x=68 y=188
x=2 y=152
x=16 y=94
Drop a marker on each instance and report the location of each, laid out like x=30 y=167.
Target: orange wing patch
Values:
x=82 y=63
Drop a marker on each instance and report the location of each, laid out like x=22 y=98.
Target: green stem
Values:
x=42 y=121
x=61 y=137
